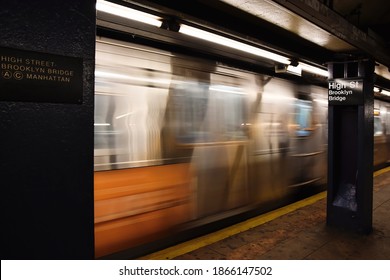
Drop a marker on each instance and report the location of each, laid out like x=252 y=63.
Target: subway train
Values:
x=184 y=142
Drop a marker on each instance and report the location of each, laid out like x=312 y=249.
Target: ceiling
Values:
x=337 y=25
x=366 y=14
x=369 y=16
x=347 y=28
x=316 y=30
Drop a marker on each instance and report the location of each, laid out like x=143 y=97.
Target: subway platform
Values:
x=294 y=232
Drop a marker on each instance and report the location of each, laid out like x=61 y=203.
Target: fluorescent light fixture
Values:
x=385 y=92
x=125 y=12
x=290 y=69
x=101 y=124
x=132 y=14
x=314 y=69
x=221 y=40
x=296 y=70
x=382 y=91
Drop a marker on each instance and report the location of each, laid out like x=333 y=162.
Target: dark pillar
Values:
x=350 y=150
x=46 y=124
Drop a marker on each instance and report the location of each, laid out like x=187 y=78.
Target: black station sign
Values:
x=345 y=92
x=40 y=77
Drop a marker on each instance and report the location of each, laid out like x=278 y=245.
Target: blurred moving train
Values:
x=182 y=142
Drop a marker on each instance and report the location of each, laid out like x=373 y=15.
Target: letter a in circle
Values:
x=6 y=75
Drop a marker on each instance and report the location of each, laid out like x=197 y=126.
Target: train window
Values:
x=378 y=127
x=104 y=125
x=229 y=119
x=190 y=104
x=387 y=120
x=147 y=101
x=208 y=113
x=303 y=117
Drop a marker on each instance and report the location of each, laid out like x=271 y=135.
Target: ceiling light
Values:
x=382 y=91
x=314 y=70
x=385 y=92
x=290 y=69
x=125 y=12
x=224 y=41
x=132 y=14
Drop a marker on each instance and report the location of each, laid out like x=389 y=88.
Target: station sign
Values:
x=28 y=76
x=345 y=92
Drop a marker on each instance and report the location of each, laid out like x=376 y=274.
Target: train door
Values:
x=387 y=127
x=381 y=136
x=307 y=156
x=138 y=199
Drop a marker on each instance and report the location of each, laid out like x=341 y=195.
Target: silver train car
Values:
x=182 y=142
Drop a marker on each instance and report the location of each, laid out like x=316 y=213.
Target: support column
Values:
x=350 y=149
x=47 y=60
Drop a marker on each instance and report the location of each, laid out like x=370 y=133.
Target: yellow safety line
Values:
x=382 y=171
x=191 y=245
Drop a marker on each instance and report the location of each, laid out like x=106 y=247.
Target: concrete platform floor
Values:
x=303 y=234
